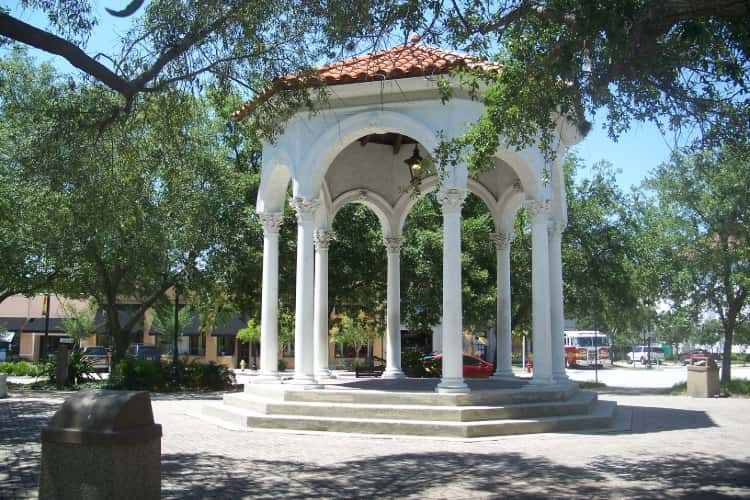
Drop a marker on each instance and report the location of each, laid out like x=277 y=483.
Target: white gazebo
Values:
x=383 y=108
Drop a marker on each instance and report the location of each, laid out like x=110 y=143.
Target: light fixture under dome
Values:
x=414 y=162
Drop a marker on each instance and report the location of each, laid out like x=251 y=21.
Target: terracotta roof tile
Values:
x=403 y=61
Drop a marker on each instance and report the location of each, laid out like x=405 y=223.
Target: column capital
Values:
x=322 y=238
x=393 y=244
x=271 y=222
x=556 y=227
x=502 y=240
x=305 y=208
x=451 y=199
x=538 y=209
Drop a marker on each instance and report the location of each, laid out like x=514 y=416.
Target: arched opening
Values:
x=357 y=284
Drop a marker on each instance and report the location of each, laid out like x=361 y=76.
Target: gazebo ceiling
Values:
x=388 y=139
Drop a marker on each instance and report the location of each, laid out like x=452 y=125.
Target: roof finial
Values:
x=415 y=38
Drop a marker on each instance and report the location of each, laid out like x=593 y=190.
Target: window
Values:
x=225 y=345
x=196 y=345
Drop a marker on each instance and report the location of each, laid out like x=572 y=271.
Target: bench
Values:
x=368 y=371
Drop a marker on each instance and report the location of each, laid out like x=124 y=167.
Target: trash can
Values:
x=102 y=444
x=3 y=385
x=703 y=380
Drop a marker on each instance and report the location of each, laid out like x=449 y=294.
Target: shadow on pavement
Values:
x=452 y=475
x=647 y=419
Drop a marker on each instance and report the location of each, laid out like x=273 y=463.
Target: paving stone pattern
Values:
x=659 y=447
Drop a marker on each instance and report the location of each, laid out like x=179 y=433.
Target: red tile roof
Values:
x=403 y=61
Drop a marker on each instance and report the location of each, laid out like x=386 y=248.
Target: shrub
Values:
x=282 y=365
x=737 y=387
x=138 y=374
x=211 y=376
x=413 y=367
x=23 y=368
x=79 y=368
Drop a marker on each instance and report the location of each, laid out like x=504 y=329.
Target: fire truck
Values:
x=586 y=348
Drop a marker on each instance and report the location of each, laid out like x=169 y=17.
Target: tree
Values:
x=136 y=208
x=250 y=335
x=701 y=210
x=358 y=332
x=164 y=322
x=80 y=323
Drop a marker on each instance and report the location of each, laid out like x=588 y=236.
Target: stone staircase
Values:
x=480 y=413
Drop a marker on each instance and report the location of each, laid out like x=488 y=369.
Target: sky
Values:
x=634 y=155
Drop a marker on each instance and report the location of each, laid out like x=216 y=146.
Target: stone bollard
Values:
x=102 y=444
x=3 y=385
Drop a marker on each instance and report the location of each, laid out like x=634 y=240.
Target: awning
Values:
x=190 y=331
x=230 y=328
x=36 y=325
x=13 y=324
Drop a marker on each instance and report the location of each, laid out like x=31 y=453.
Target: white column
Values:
x=451 y=201
x=557 y=317
x=540 y=311
x=503 y=331
x=393 y=335
x=322 y=241
x=303 y=318
x=269 y=314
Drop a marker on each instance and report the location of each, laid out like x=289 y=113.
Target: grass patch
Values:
x=592 y=385
x=679 y=389
x=736 y=388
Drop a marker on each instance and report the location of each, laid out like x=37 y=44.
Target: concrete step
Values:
x=600 y=416
x=525 y=394
x=579 y=403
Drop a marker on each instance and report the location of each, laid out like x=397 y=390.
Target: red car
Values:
x=473 y=367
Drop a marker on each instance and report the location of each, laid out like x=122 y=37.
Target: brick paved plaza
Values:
x=660 y=447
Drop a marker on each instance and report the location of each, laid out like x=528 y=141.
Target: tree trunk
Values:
x=726 y=361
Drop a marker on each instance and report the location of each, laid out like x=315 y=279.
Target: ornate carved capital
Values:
x=518 y=187
x=451 y=200
x=538 y=209
x=323 y=238
x=271 y=222
x=393 y=244
x=502 y=240
x=556 y=227
x=305 y=208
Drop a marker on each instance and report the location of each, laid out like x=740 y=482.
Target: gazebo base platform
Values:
x=411 y=407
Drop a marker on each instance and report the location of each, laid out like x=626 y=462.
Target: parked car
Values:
x=698 y=356
x=641 y=355
x=143 y=351
x=474 y=367
x=98 y=357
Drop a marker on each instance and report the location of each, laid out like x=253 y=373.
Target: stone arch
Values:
x=328 y=145
x=527 y=164
x=274 y=181
x=371 y=200
x=430 y=184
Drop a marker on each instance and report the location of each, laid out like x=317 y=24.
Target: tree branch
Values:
x=53 y=44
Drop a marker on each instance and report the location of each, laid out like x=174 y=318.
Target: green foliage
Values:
x=138 y=374
x=282 y=365
x=80 y=323
x=698 y=214
x=358 y=332
x=413 y=367
x=164 y=322
x=24 y=369
x=147 y=202
x=79 y=368
x=249 y=334
x=143 y=374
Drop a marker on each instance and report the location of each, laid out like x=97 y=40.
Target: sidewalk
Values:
x=660 y=446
